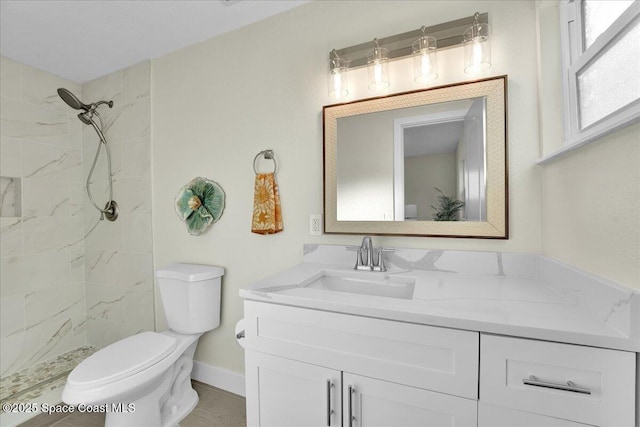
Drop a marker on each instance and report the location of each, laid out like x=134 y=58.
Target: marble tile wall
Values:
x=68 y=279
x=118 y=255
x=10 y=197
x=42 y=292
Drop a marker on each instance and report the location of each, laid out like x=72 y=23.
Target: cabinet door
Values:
x=370 y=402
x=283 y=392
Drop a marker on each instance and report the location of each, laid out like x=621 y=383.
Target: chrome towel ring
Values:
x=268 y=154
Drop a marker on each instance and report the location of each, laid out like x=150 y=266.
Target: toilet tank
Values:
x=190 y=296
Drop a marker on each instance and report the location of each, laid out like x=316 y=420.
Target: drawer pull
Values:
x=570 y=386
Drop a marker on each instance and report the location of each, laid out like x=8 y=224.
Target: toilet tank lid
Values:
x=190 y=272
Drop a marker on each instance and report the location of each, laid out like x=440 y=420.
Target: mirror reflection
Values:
x=430 y=162
x=424 y=163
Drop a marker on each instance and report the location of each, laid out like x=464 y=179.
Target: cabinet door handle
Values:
x=329 y=410
x=569 y=386
x=351 y=418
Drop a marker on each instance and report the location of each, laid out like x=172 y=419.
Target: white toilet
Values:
x=145 y=379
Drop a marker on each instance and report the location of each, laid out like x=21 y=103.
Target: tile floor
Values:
x=216 y=408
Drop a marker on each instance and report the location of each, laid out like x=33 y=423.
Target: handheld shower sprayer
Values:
x=85 y=118
x=87 y=111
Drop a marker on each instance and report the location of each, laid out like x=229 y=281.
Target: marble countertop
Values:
x=539 y=299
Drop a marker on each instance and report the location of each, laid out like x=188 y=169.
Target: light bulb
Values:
x=337 y=82
x=477 y=47
x=425 y=66
x=425 y=63
x=378 y=73
x=377 y=66
x=337 y=77
x=476 y=58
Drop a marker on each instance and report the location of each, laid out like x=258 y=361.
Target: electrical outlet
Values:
x=315 y=224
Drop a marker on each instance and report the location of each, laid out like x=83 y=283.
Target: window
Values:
x=601 y=59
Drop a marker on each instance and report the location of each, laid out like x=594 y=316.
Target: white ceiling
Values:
x=84 y=39
x=426 y=140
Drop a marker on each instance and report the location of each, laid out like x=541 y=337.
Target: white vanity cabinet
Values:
x=422 y=375
x=307 y=367
x=452 y=338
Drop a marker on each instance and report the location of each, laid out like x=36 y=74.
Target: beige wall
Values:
x=215 y=105
x=590 y=196
x=591 y=207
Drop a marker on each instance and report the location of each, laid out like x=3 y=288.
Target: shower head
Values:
x=87 y=110
x=72 y=101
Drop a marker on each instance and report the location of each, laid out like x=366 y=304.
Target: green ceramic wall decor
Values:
x=199 y=204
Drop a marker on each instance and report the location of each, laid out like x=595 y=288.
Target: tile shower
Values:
x=70 y=283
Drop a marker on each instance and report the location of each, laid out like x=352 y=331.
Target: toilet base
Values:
x=152 y=418
x=165 y=406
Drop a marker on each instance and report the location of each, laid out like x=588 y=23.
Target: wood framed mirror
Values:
x=430 y=162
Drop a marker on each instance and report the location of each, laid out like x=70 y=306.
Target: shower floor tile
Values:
x=30 y=383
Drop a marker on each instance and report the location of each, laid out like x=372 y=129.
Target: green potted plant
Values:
x=448 y=208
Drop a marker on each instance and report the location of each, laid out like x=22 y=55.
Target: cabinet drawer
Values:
x=432 y=358
x=602 y=389
x=495 y=416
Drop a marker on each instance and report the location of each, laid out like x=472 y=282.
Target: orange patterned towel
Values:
x=267 y=214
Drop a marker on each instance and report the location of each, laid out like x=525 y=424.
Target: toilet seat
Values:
x=122 y=359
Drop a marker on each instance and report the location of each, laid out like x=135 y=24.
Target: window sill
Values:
x=629 y=118
x=561 y=152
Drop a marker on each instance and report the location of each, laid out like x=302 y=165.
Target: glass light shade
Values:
x=337 y=78
x=477 y=49
x=425 y=60
x=378 y=69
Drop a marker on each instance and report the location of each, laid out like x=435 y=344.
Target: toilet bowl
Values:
x=145 y=379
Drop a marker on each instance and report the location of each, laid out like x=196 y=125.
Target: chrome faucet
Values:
x=365 y=256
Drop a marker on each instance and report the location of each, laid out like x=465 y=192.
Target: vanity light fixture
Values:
x=477 y=47
x=425 y=63
x=472 y=32
x=378 y=67
x=337 y=78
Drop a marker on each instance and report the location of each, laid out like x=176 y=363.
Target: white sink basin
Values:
x=364 y=283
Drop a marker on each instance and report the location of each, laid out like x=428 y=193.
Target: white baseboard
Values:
x=217 y=377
